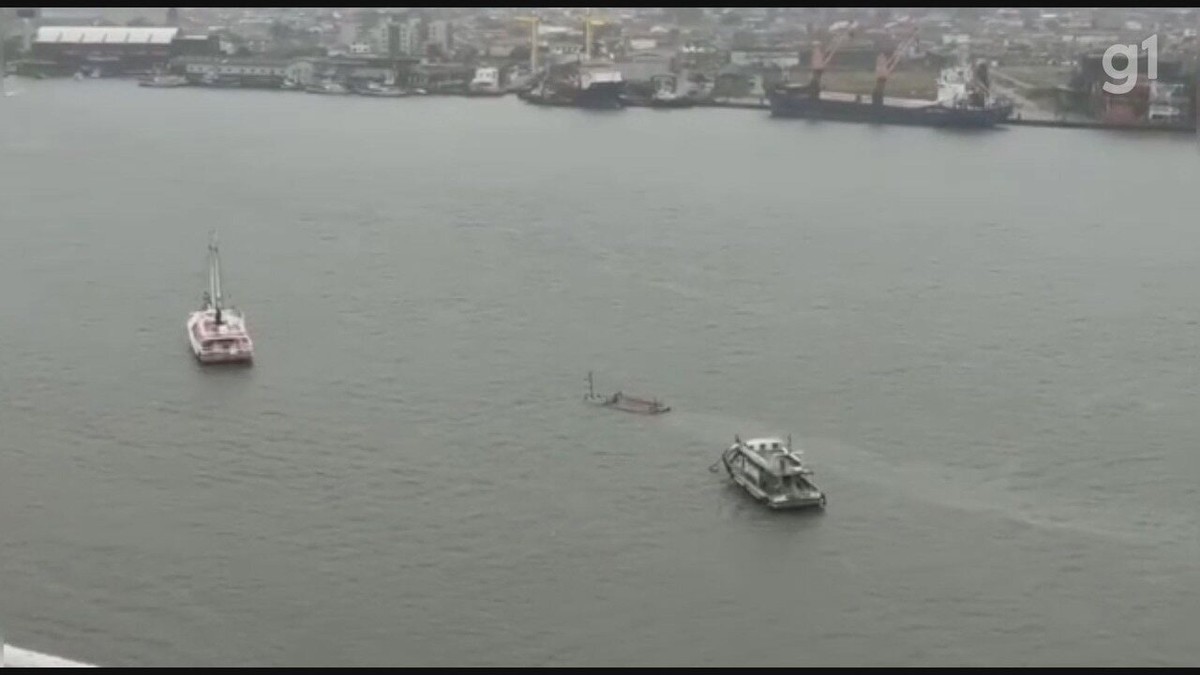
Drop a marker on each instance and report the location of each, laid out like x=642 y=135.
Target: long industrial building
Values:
x=109 y=51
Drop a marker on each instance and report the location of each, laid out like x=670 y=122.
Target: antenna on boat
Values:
x=591 y=389
x=214 y=275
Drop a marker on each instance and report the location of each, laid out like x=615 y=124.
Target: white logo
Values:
x=1128 y=74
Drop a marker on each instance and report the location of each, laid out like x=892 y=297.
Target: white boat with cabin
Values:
x=772 y=472
x=486 y=83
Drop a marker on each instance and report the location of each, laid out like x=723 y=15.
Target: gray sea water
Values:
x=985 y=343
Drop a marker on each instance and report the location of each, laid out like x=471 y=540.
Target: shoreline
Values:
x=761 y=104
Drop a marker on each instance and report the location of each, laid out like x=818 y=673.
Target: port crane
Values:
x=533 y=22
x=821 y=59
x=588 y=22
x=885 y=65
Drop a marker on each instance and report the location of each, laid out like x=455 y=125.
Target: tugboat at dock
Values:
x=486 y=83
x=770 y=471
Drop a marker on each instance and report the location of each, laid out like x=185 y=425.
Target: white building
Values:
x=411 y=37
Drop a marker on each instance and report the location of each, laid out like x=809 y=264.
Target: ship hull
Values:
x=606 y=96
x=932 y=115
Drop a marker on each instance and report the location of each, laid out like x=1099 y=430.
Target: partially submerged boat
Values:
x=218 y=333
x=770 y=471
x=621 y=401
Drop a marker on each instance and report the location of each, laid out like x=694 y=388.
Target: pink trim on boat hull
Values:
x=241 y=357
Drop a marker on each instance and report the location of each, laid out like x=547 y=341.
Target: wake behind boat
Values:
x=620 y=401
x=218 y=333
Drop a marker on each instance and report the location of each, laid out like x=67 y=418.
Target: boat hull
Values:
x=599 y=96
x=382 y=94
x=804 y=106
x=242 y=354
x=789 y=503
x=629 y=405
x=672 y=104
x=485 y=91
x=162 y=85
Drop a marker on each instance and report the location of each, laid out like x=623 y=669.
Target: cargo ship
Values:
x=587 y=83
x=593 y=84
x=954 y=107
x=964 y=97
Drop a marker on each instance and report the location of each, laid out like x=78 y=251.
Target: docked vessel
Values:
x=594 y=84
x=378 y=90
x=587 y=83
x=962 y=101
x=621 y=401
x=849 y=108
x=329 y=88
x=485 y=83
x=216 y=332
x=669 y=99
x=212 y=79
x=163 y=81
x=772 y=472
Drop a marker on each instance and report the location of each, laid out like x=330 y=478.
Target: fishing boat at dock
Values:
x=621 y=401
x=771 y=472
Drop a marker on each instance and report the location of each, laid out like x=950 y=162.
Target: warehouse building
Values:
x=102 y=50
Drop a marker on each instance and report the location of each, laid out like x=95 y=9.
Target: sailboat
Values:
x=218 y=332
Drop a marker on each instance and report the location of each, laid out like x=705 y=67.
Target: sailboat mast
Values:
x=214 y=276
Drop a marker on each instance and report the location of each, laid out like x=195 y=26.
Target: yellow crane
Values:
x=533 y=22
x=588 y=22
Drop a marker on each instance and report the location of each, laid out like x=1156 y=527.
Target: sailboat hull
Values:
x=213 y=344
